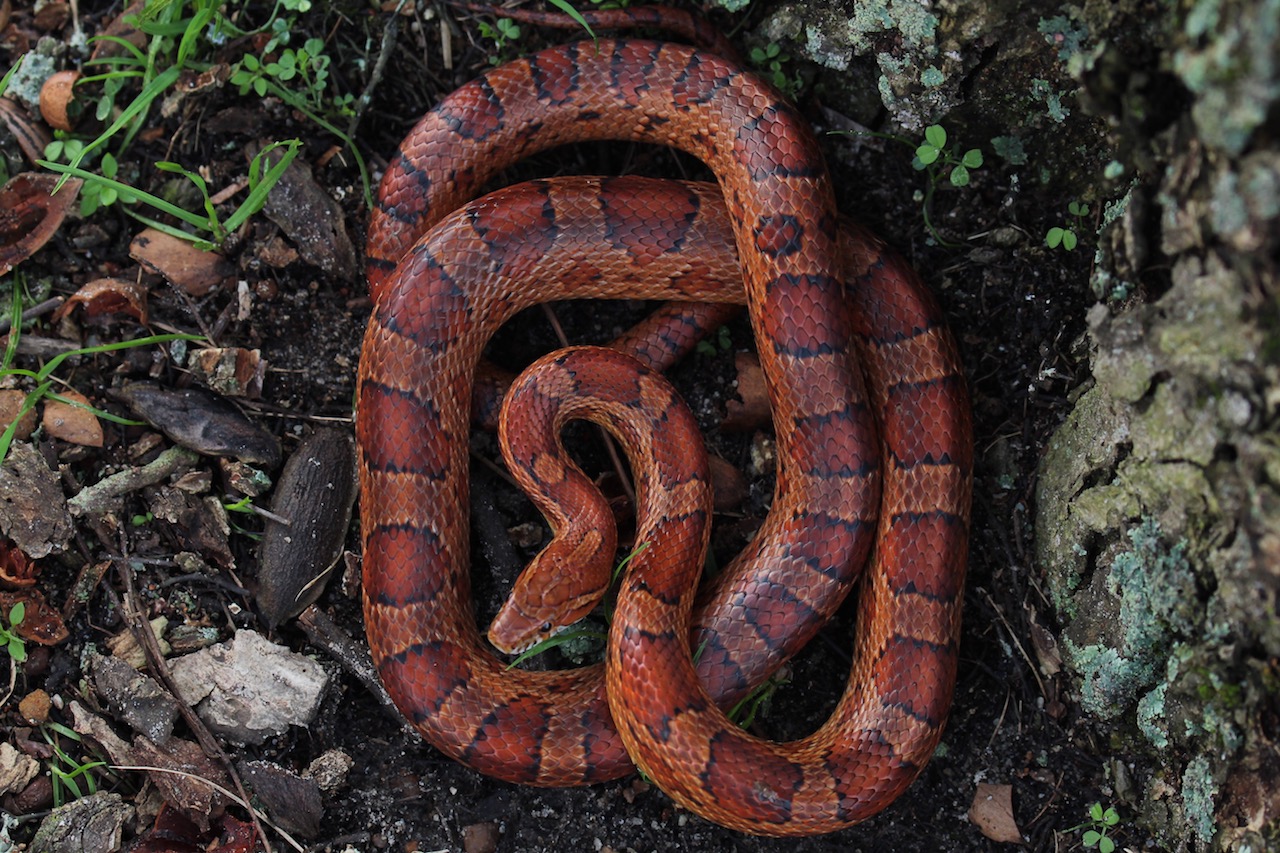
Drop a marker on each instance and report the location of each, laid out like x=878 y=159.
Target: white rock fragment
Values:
x=249 y=689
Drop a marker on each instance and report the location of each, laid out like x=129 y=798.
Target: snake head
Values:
x=560 y=586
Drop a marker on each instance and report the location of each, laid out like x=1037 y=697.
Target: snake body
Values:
x=444 y=277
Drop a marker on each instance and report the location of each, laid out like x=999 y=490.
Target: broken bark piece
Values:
x=202 y=421
x=30 y=214
x=311 y=219
x=16 y=769
x=751 y=411
x=33 y=510
x=136 y=699
x=91 y=824
x=17 y=570
x=315 y=493
x=293 y=802
x=191 y=269
x=233 y=371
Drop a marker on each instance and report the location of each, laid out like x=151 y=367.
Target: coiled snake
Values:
x=828 y=303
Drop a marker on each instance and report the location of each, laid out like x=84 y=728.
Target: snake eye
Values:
x=546 y=627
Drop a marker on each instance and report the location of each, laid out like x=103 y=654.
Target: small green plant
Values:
x=65 y=771
x=306 y=68
x=722 y=342
x=770 y=59
x=502 y=32
x=939 y=161
x=9 y=639
x=756 y=702
x=1100 y=822
x=1066 y=236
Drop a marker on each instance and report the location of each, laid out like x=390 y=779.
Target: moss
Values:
x=1010 y=148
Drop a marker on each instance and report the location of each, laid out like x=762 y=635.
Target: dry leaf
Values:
x=11 y=401
x=30 y=213
x=40 y=623
x=72 y=423
x=194 y=270
x=992 y=813
x=57 y=100
x=728 y=485
x=17 y=570
x=108 y=296
x=122 y=27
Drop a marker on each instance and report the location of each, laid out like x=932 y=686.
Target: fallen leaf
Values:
x=40 y=623
x=30 y=214
x=728 y=485
x=992 y=813
x=108 y=296
x=11 y=401
x=193 y=270
x=57 y=100
x=315 y=493
x=122 y=27
x=17 y=570
x=51 y=16
x=202 y=421
x=71 y=423
x=311 y=219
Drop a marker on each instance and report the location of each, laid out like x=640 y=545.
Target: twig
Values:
x=146 y=639
x=97 y=498
x=354 y=658
x=37 y=310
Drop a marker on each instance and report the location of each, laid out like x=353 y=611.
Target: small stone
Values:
x=34 y=707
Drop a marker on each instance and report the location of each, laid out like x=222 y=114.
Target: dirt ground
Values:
x=1016 y=307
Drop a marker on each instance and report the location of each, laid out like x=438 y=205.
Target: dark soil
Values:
x=1016 y=307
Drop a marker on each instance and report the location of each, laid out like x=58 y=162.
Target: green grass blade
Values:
x=136 y=107
x=141 y=195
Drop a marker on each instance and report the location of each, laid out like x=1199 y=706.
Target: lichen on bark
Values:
x=1158 y=526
